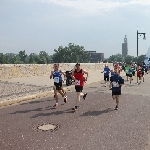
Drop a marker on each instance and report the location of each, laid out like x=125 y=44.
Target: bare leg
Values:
x=56 y=95
x=117 y=100
x=62 y=93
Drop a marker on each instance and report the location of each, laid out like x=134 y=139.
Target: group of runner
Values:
x=115 y=80
x=79 y=78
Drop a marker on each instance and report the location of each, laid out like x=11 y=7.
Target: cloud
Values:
x=96 y=5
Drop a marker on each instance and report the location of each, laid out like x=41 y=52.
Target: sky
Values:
x=98 y=25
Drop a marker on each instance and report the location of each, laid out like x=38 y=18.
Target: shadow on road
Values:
x=26 y=111
x=96 y=113
x=47 y=114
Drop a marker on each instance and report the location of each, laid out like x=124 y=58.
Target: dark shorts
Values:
x=116 y=93
x=58 y=85
x=130 y=75
x=79 y=88
x=145 y=70
x=133 y=73
x=142 y=74
x=106 y=78
x=127 y=74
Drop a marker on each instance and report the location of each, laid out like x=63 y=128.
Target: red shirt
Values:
x=139 y=72
x=79 y=78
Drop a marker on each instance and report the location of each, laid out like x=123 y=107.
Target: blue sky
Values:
x=98 y=25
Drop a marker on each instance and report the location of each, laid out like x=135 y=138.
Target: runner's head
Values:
x=116 y=71
x=77 y=66
x=56 y=66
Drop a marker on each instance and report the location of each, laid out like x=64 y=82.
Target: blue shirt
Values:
x=106 y=71
x=116 y=79
x=131 y=70
x=112 y=74
x=57 y=76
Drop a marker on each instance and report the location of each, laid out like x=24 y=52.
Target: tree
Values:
x=3 y=59
x=71 y=54
x=141 y=58
x=22 y=55
x=33 y=58
x=116 y=58
x=43 y=58
x=128 y=59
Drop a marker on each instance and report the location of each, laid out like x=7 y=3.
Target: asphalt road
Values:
x=95 y=125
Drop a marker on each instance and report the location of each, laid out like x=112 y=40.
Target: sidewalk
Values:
x=20 y=89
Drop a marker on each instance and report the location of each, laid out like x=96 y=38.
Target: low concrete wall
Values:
x=27 y=70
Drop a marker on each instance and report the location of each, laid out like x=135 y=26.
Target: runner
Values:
x=130 y=73
x=78 y=76
x=116 y=82
x=127 y=71
x=57 y=76
x=112 y=73
x=146 y=69
x=143 y=69
x=116 y=66
x=133 y=66
x=139 y=74
x=106 y=74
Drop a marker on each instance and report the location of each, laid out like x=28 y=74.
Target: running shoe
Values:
x=116 y=108
x=55 y=106
x=65 y=99
x=75 y=108
x=84 y=96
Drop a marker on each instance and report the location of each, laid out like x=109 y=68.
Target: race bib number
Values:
x=115 y=84
x=77 y=82
x=56 y=79
x=105 y=71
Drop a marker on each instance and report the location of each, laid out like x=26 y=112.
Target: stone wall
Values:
x=27 y=70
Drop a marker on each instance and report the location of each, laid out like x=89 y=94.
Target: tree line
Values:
x=128 y=59
x=68 y=54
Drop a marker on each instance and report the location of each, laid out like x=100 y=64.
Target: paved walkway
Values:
x=27 y=88
x=96 y=125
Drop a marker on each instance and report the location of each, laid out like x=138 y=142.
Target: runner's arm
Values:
x=73 y=74
x=64 y=75
x=84 y=71
x=51 y=75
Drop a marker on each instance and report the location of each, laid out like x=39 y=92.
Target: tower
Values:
x=125 y=47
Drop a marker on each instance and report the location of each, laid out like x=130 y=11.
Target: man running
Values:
x=133 y=66
x=139 y=74
x=112 y=73
x=57 y=76
x=106 y=74
x=130 y=73
x=116 y=82
x=116 y=66
x=78 y=76
x=146 y=69
x=127 y=71
x=143 y=69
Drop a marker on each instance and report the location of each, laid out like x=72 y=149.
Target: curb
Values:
x=35 y=96
x=38 y=95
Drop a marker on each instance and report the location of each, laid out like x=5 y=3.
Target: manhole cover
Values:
x=46 y=127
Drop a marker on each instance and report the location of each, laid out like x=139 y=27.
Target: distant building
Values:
x=125 y=47
x=96 y=57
